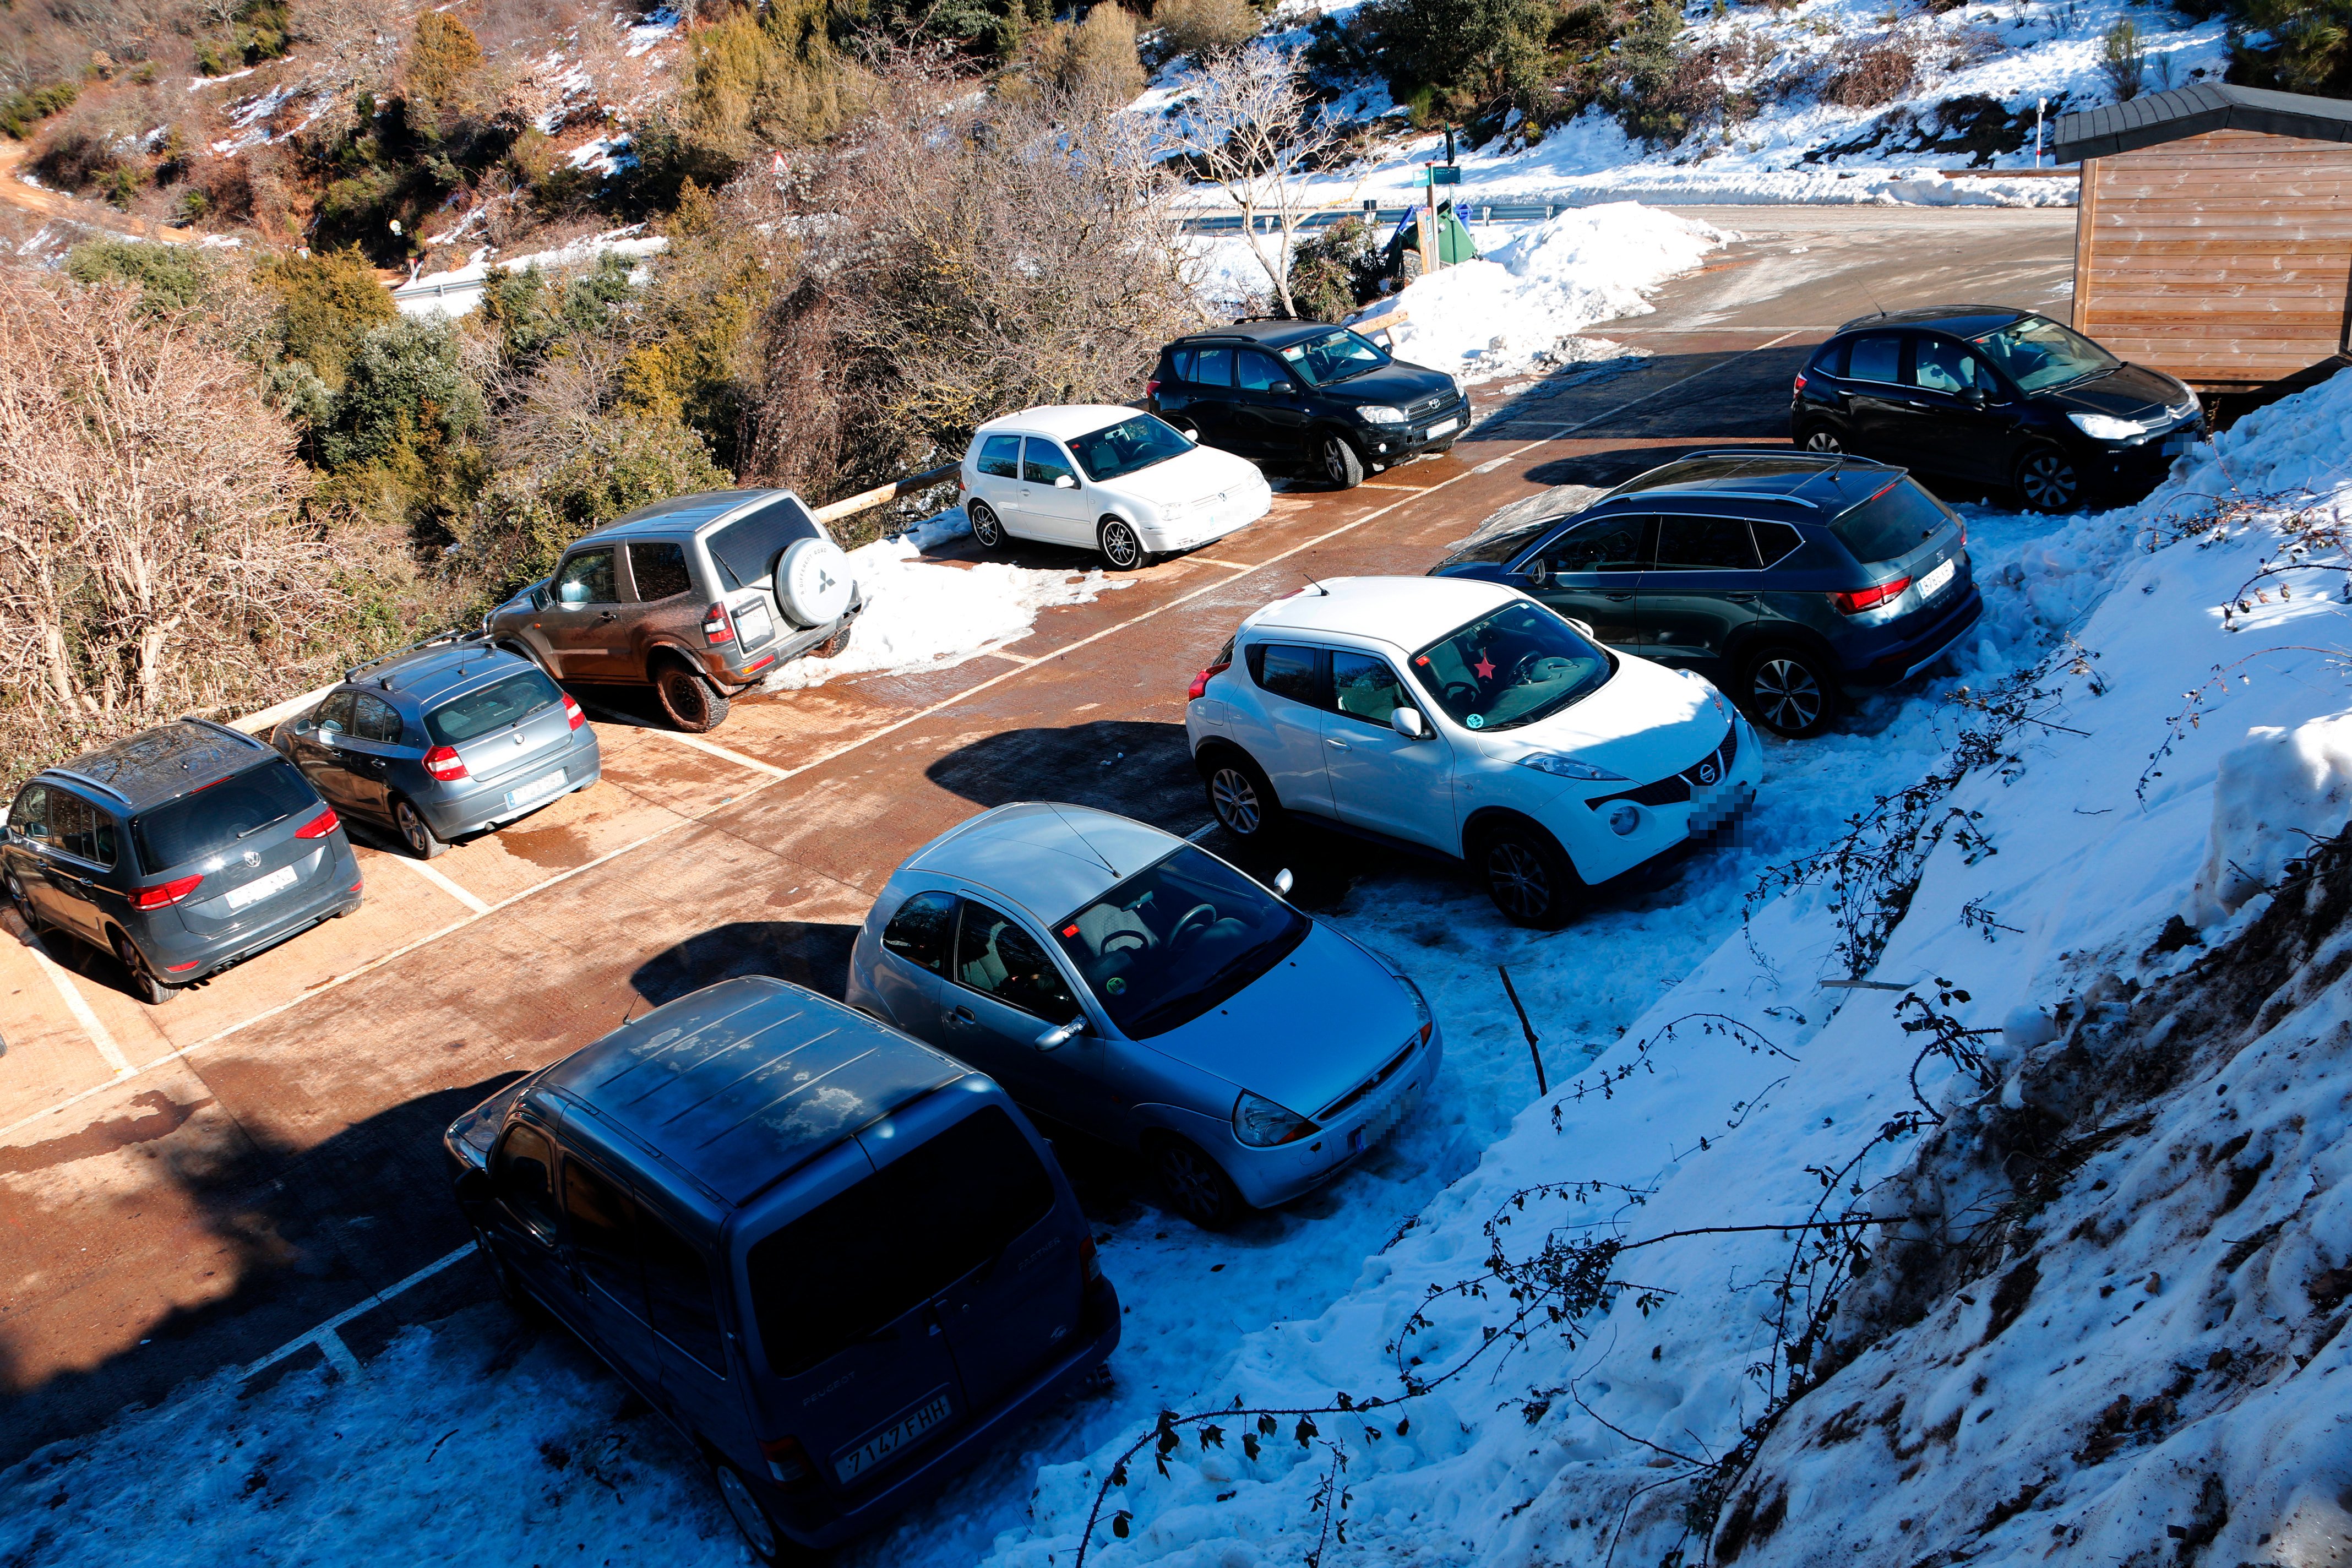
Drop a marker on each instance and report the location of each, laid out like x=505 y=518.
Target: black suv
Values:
x=181 y=850
x=1785 y=577
x=1307 y=395
x=1997 y=397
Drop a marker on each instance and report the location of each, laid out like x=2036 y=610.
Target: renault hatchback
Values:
x=843 y=1264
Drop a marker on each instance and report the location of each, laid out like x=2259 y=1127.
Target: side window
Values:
x=1179 y=364
x=678 y=1291
x=1939 y=364
x=335 y=712
x=1876 y=358
x=374 y=719
x=1000 y=456
x=522 y=1174
x=1705 y=544
x=587 y=579
x=995 y=956
x=1042 y=463
x=659 y=568
x=1216 y=368
x=598 y=1214
x=919 y=932
x=1603 y=544
x=1285 y=670
x=1256 y=372
x=1775 y=541
x=30 y=816
x=80 y=829
x=1363 y=687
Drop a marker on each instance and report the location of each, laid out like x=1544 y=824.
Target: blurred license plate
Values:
x=756 y=626
x=260 y=888
x=2176 y=445
x=1444 y=427
x=849 y=1465
x=1934 y=582
x=539 y=788
x=1383 y=1124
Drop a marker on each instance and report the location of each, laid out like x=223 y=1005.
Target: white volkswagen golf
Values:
x=1106 y=478
x=1466 y=718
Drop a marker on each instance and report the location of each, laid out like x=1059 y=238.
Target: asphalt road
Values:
x=192 y=1187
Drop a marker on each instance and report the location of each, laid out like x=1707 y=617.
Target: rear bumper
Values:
x=1906 y=658
x=487 y=808
x=336 y=890
x=743 y=670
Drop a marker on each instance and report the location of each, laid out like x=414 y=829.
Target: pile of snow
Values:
x=456 y=292
x=2273 y=798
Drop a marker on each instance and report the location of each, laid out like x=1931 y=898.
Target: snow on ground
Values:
x=456 y=292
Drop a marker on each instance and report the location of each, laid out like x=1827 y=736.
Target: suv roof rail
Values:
x=87 y=783
x=454 y=635
x=1693 y=493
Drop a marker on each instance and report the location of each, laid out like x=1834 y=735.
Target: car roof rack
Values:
x=87 y=783
x=1697 y=494
x=454 y=635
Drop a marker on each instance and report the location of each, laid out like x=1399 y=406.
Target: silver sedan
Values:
x=1128 y=984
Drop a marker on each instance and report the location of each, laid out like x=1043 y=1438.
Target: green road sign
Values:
x=1444 y=175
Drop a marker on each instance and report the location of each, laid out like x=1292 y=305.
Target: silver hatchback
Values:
x=1123 y=981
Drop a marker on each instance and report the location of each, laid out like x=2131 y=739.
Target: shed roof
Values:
x=2193 y=110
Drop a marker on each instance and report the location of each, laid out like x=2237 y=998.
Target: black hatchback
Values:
x=1988 y=395
x=1786 y=578
x=1306 y=395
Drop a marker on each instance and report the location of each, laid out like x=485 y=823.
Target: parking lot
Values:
x=193 y=1187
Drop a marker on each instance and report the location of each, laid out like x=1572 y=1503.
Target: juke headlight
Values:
x=1261 y=1124
x=1571 y=768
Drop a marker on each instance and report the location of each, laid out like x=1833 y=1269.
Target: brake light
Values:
x=1964 y=532
x=167 y=894
x=444 y=763
x=1800 y=383
x=1151 y=387
x=182 y=968
x=788 y=1462
x=319 y=825
x=717 y=627
x=1087 y=1260
x=1862 y=599
x=1201 y=681
x=572 y=711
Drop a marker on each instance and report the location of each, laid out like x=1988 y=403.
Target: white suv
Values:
x=1466 y=718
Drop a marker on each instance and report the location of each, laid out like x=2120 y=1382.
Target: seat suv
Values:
x=447 y=738
x=696 y=596
x=1303 y=394
x=1788 y=578
x=1997 y=397
x=181 y=850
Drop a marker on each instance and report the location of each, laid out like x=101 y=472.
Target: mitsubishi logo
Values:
x=1707 y=771
x=823 y=580
x=252 y=861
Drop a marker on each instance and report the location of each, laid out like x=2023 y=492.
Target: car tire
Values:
x=20 y=900
x=1194 y=1184
x=509 y=1285
x=1821 y=438
x=1790 y=692
x=760 y=1534
x=1339 y=462
x=415 y=831
x=987 y=528
x=1122 y=547
x=1239 y=798
x=689 y=701
x=834 y=644
x=146 y=983
x=1527 y=875
x=2047 y=480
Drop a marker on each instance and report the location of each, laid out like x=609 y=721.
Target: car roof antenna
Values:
x=1318 y=587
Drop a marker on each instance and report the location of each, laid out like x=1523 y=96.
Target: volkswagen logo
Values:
x=252 y=861
x=1708 y=771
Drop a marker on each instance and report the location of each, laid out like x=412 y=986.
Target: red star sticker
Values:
x=1484 y=666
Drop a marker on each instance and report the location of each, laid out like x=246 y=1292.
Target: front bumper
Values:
x=1191 y=532
x=2114 y=468
x=1396 y=443
x=1922 y=647
x=1269 y=1178
x=1671 y=813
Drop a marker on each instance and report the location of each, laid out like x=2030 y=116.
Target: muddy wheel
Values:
x=689 y=701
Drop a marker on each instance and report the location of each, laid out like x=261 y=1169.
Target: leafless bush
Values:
x=1251 y=129
x=1867 y=72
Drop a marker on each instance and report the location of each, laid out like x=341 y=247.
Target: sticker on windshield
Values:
x=1293 y=353
x=1477 y=720
x=1114 y=985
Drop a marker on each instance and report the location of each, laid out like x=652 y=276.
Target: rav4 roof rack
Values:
x=454 y=635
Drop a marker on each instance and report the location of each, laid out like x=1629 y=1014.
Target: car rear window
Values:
x=745 y=550
x=491 y=707
x=219 y=816
x=1891 y=524
x=862 y=1260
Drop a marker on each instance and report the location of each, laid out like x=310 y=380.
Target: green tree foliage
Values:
x=981 y=29
x=170 y=278
x=258 y=30
x=443 y=59
x=528 y=516
x=405 y=389
x=1336 y=272
x=1458 y=59
x=328 y=302
x=757 y=78
x=27 y=107
x=2306 y=46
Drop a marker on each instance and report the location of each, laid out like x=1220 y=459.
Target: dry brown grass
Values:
x=1867 y=72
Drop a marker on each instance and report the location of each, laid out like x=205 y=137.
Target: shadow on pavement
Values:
x=1132 y=767
x=806 y=952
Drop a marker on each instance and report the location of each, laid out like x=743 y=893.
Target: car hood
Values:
x=1398 y=383
x=1202 y=472
x=1649 y=721
x=2127 y=392
x=1308 y=1030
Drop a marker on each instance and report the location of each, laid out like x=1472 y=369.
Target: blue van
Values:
x=839 y=1261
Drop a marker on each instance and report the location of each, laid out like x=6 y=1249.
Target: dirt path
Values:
x=56 y=205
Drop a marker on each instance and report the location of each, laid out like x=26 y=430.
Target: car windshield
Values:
x=1128 y=446
x=216 y=816
x=1333 y=356
x=491 y=707
x=1177 y=939
x=1513 y=667
x=2038 y=353
x=1892 y=524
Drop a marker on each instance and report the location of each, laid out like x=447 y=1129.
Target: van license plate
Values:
x=537 y=789
x=854 y=1462
x=1443 y=428
x=1936 y=582
x=260 y=888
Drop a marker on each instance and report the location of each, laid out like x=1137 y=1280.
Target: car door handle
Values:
x=1616 y=598
x=610 y=616
x=1335 y=743
x=963 y=1015
x=1741 y=598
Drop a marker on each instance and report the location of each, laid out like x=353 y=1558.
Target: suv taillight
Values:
x=1800 y=383
x=167 y=894
x=572 y=711
x=1201 y=681
x=1151 y=387
x=1862 y=599
x=788 y=1462
x=1088 y=1260
x=319 y=825
x=444 y=763
x=717 y=627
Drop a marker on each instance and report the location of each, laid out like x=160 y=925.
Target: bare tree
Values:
x=1251 y=130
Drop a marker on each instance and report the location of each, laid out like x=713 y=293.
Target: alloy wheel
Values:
x=1821 y=438
x=1788 y=695
x=144 y=984
x=1197 y=1187
x=1234 y=798
x=16 y=892
x=1517 y=878
x=2048 y=482
x=744 y=1509
x=413 y=828
x=1119 y=545
x=985 y=528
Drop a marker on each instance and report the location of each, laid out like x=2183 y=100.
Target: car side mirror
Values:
x=1065 y=482
x=1282 y=882
x=1407 y=722
x=1285 y=389
x=1056 y=1039
x=1538 y=572
x=1583 y=626
x=1974 y=396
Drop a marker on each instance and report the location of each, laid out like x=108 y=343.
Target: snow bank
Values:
x=2273 y=799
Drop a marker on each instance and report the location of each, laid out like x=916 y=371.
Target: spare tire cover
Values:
x=812 y=581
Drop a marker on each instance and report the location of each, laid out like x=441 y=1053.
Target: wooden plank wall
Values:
x=2224 y=258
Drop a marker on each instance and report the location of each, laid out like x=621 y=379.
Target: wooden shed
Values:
x=2214 y=238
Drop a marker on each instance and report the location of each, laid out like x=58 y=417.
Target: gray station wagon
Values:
x=697 y=597
x=843 y=1264
x=181 y=850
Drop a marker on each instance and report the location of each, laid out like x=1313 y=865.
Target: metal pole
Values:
x=1534 y=1043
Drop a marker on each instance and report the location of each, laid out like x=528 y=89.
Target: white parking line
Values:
x=441 y=881
x=331 y=1344
x=698 y=743
x=100 y=1036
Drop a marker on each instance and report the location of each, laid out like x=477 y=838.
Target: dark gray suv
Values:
x=840 y=1262
x=450 y=737
x=1786 y=578
x=697 y=597
x=179 y=849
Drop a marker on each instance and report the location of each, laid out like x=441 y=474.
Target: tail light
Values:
x=1151 y=387
x=1800 y=383
x=717 y=627
x=1862 y=599
x=1201 y=681
x=182 y=968
x=319 y=825
x=1088 y=1260
x=1964 y=532
x=572 y=711
x=444 y=763
x=164 y=896
x=788 y=1462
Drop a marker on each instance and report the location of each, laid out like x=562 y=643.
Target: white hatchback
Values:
x=1107 y=478
x=1464 y=717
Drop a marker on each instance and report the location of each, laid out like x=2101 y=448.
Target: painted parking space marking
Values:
x=327 y=1338
x=440 y=881
x=79 y=1005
